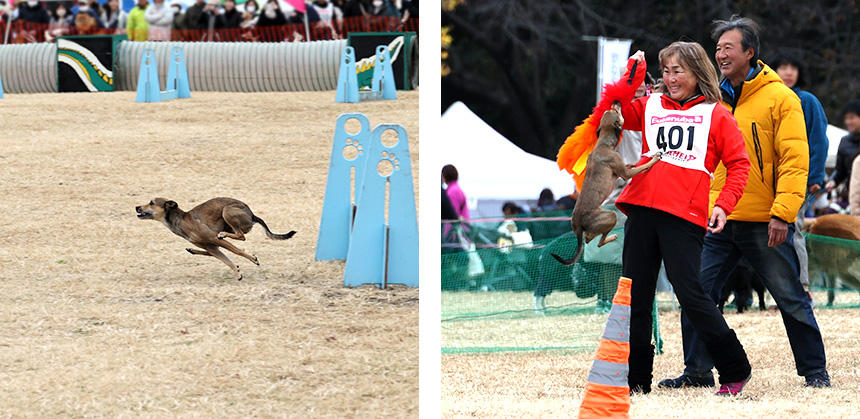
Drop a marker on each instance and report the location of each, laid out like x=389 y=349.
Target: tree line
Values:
x=528 y=68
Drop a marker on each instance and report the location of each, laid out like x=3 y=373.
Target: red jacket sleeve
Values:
x=732 y=151
x=633 y=113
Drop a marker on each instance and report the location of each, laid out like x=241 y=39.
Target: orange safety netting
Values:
x=21 y=32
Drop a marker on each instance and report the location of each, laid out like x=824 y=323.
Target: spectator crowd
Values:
x=205 y=20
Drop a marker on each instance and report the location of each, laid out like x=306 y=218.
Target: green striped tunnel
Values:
x=212 y=66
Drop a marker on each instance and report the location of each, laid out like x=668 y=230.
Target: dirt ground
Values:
x=552 y=383
x=102 y=314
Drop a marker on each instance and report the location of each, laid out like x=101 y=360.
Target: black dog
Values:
x=742 y=282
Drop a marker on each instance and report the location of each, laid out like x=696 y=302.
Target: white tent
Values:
x=834 y=135
x=492 y=170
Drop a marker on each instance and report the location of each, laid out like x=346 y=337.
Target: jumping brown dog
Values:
x=603 y=167
x=208 y=224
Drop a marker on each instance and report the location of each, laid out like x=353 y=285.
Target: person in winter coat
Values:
x=34 y=18
x=450 y=176
x=789 y=70
x=178 y=24
x=231 y=18
x=138 y=28
x=60 y=23
x=113 y=16
x=60 y=17
x=33 y=12
x=271 y=23
x=192 y=16
x=849 y=146
x=160 y=18
x=760 y=230
x=226 y=23
x=87 y=19
x=209 y=21
x=384 y=8
x=667 y=205
x=329 y=16
x=854 y=188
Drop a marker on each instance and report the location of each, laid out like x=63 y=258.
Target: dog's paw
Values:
x=658 y=155
x=256 y=261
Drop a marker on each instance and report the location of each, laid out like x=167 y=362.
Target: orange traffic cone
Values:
x=607 y=394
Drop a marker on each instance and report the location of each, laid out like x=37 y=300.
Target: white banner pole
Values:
x=612 y=55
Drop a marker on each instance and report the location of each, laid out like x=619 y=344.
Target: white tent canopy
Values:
x=492 y=169
x=834 y=135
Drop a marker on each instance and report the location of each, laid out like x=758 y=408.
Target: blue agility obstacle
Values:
x=177 y=87
x=348 y=159
x=347 y=79
x=382 y=86
x=385 y=251
x=378 y=250
x=383 y=76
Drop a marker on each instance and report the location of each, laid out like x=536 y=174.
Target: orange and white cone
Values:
x=607 y=394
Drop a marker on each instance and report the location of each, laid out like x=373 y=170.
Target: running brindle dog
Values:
x=603 y=167
x=208 y=224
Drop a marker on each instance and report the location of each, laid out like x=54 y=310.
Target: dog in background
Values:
x=604 y=165
x=742 y=282
x=835 y=262
x=208 y=224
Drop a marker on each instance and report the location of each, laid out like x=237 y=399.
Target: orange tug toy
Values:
x=573 y=154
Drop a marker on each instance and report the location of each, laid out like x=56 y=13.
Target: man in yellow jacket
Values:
x=760 y=229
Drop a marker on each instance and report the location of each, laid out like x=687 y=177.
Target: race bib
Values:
x=682 y=136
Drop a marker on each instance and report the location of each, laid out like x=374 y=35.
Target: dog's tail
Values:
x=571 y=261
x=269 y=233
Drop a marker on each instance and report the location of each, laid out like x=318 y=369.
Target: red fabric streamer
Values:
x=574 y=152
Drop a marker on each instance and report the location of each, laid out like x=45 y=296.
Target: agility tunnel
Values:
x=212 y=66
x=29 y=68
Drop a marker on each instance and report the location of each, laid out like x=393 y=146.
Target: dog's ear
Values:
x=169 y=205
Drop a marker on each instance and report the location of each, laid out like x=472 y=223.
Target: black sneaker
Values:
x=640 y=389
x=686 y=381
x=819 y=380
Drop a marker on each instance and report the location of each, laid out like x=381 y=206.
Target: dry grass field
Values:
x=102 y=314
x=551 y=384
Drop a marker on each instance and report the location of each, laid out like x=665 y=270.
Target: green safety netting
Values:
x=489 y=285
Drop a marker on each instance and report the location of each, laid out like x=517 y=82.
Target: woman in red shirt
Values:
x=667 y=206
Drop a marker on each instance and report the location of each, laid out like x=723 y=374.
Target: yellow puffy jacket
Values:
x=771 y=119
